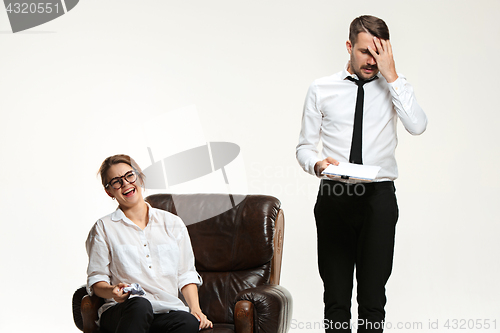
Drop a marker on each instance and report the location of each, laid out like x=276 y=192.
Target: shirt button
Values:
x=149 y=266
x=147 y=256
x=145 y=244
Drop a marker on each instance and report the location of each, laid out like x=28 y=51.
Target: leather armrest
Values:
x=90 y=306
x=272 y=307
x=244 y=317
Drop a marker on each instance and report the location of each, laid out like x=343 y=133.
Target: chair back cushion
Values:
x=233 y=247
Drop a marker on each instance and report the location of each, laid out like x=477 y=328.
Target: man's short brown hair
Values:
x=370 y=24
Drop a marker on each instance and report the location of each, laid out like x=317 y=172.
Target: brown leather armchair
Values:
x=237 y=253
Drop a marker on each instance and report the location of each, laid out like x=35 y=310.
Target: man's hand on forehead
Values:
x=384 y=58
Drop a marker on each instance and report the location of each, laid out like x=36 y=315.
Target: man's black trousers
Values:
x=356 y=225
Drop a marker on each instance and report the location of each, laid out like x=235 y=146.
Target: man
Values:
x=354 y=114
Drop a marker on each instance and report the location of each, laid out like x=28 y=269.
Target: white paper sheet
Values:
x=353 y=171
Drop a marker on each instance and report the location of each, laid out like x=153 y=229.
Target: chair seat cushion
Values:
x=220 y=328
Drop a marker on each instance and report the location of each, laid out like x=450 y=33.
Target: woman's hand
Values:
x=105 y=290
x=118 y=294
x=204 y=322
x=190 y=292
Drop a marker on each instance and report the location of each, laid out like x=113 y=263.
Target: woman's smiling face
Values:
x=130 y=193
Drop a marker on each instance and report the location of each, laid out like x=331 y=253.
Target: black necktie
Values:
x=357 y=132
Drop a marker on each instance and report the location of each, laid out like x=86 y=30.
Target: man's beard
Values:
x=364 y=76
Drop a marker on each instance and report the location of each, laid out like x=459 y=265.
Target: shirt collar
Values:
x=118 y=215
x=345 y=73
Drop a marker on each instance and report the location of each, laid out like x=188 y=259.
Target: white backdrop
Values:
x=77 y=89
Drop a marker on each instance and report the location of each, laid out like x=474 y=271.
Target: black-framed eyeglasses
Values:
x=117 y=182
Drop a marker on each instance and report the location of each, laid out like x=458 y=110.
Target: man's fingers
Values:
x=388 y=47
x=373 y=52
x=320 y=166
x=331 y=160
x=383 y=45
x=380 y=44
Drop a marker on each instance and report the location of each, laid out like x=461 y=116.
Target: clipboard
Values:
x=351 y=171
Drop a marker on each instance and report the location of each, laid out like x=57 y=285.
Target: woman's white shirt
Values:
x=160 y=257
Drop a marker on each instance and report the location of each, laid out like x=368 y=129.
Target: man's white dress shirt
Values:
x=159 y=258
x=329 y=117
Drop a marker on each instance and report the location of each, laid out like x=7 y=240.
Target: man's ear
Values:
x=348 y=45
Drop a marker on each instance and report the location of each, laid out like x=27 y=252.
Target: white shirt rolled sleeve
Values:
x=97 y=249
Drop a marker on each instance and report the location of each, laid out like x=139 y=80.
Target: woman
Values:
x=144 y=245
